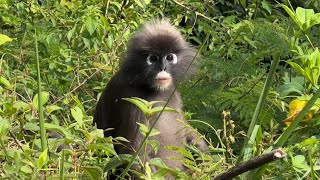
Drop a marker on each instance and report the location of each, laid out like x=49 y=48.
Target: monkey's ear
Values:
x=189 y=65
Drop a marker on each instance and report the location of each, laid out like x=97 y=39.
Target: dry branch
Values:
x=251 y=164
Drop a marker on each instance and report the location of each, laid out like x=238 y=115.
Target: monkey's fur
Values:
x=146 y=76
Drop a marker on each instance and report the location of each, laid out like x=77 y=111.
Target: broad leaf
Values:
x=4 y=39
x=94 y=172
x=44 y=99
x=6 y=83
x=77 y=114
x=42 y=160
x=304 y=16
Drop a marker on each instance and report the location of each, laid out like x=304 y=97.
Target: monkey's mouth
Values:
x=163 y=81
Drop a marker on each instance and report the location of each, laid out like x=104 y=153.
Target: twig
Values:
x=77 y=87
x=252 y=164
x=196 y=12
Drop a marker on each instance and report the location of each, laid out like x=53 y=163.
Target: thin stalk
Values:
x=211 y=127
x=312 y=173
x=40 y=108
x=61 y=169
x=261 y=101
x=134 y=157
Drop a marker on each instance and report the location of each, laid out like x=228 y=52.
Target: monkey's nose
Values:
x=163 y=67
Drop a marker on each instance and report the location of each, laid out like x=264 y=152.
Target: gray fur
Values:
x=135 y=79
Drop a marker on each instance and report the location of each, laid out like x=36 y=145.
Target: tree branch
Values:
x=252 y=164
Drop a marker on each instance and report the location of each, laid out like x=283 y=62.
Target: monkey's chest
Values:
x=171 y=129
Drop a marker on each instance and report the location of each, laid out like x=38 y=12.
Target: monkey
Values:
x=156 y=58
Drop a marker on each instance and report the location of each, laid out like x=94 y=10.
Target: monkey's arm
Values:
x=105 y=116
x=193 y=137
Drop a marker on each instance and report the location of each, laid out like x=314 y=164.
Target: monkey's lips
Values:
x=163 y=81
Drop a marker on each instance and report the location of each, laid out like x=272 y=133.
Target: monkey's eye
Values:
x=171 y=58
x=152 y=58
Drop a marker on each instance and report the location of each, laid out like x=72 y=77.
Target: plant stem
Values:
x=260 y=104
x=40 y=108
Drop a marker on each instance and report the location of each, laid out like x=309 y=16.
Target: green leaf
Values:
x=71 y=33
x=4 y=126
x=290 y=87
x=61 y=130
x=52 y=108
x=105 y=147
x=304 y=16
x=309 y=142
x=117 y=161
x=291 y=14
x=243 y=3
x=91 y=25
x=143 y=129
x=296 y=67
x=154 y=145
x=315 y=20
x=42 y=160
x=148 y=170
x=142 y=3
x=164 y=169
x=248 y=150
x=77 y=114
x=4 y=39
x=154 y=132
x=31 y=127
x=121 y=139
x=94 y=172
x=26 y=169
x=6 y=83
x=21 y=105
x=299 y=162
x=157 y=109
x=267 y=6
x=142 y=104
x=44 y=99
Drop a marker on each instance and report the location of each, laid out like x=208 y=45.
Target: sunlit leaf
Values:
x=77 y=114
x=304 y=16
x=6 y=83
x=295 y=108
x=139 y=103
x=4 y=39
x=42 y=160
x=4 y=127
x=52 y=108
x=44 y=99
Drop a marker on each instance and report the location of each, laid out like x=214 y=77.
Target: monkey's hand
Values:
x=194 y=138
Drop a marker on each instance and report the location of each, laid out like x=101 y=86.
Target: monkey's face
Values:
x=161 y=66
x=157 y=56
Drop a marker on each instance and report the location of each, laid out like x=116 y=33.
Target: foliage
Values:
x=80 y=44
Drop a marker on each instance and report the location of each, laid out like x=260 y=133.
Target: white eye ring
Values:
x=152 y=58
x=172 y=58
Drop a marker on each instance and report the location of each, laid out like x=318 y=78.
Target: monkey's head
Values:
x=157 y=56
